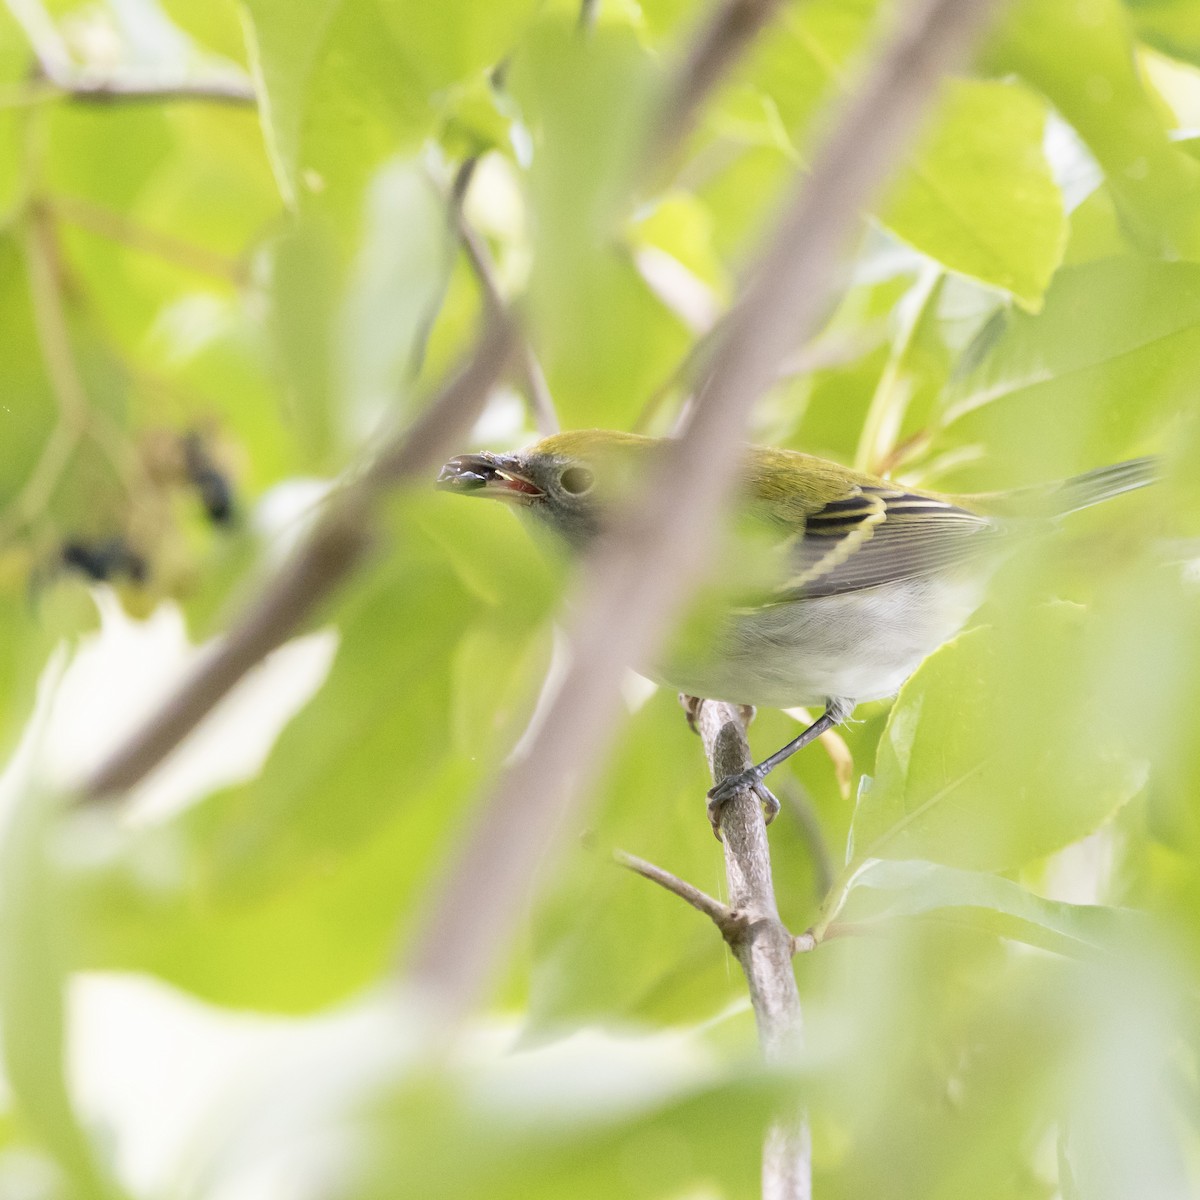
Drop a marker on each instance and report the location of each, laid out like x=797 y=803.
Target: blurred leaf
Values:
x=976 y=193
x=542 y=1129
x=998 y=713
x=297 y=885
x=585 y=963
x=27 y=423
x=978 y=196
x=395 y=288
x=1096 y=87
x=605 y=340
x=1173 y=26
x=1110 y=360
x=337 y=105
x=989 y=904
x=33 y=961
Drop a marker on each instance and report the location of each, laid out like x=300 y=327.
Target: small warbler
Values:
x=868 y=576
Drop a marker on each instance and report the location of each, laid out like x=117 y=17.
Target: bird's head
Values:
x=566 y=482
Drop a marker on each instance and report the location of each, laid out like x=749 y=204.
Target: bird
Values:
x=851 y=580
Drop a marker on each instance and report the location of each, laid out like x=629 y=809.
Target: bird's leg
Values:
x=836 y=711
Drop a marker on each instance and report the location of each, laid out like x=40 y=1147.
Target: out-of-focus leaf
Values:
x=1112 y=358
x=348 y=85
x=26 y=423
x=988 y=903
x=543 y=1129
x=395 y=287
x=1096 y=87
x=605 y=340
x=978 y=196
x=995 y=753
x=34 y=959
x=305 y=280
x=298 y=884
x=584 y=963
x=1173 y=26
x=15 y=59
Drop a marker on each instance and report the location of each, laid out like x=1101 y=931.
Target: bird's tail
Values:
x=1080 y=491
x=1094 y=487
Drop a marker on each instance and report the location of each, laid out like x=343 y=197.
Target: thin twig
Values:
x=722 y=40
x=658 y=548
x=589 y=11
x=765 y=948
x=98 y=220
x=116 y=90
x=729 y=921
x=537 y=391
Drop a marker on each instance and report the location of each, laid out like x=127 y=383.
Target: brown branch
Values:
x=729 y=921
x=112 y=90
x=765 y=947
x=341 y=541
x=641 y=573
x=720 y=42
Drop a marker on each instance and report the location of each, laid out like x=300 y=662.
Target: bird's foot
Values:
x=748 y=780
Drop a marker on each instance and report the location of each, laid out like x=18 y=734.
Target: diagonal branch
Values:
x=339 y=544
x=658 y=549
x=320 y=566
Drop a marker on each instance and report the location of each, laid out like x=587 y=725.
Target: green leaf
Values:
x=1111 y=359
x=977 y=194
x=543 y=1128
x=1172 y=26
x=995 y=754
x=396 y=286
x=605 y=340
x=347 y=85
x=988 y=903
x=1096 y=87
x=290 y=891
x=286 y=42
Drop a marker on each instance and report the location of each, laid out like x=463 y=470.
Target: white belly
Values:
x=857 y=646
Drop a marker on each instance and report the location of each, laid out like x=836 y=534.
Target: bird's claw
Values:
x=748 y=780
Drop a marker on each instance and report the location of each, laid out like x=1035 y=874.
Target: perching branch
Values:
x=764 y=947
x=634 y=583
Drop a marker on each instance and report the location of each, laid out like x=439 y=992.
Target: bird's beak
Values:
x=491 y=475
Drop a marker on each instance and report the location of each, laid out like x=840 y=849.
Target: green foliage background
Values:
x=279 y=282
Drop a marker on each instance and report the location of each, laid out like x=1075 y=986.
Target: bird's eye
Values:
x=577 y=480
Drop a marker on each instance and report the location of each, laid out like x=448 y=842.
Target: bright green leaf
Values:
x=990 y=904
x=978 y=196
x=995 y=754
